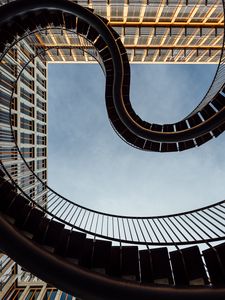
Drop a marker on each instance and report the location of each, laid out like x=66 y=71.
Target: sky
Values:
x=90 y=165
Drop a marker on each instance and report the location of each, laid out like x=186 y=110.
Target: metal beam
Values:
x=78 y=46
x=167 y=24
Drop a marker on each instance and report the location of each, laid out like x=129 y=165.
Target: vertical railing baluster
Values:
x=96 y=226
x=102 y=224
x=113 y=226
x=118 y=226
x=129 y=229
x=156 y=236
x=85 y=226
x=142 y=233
x=107 y=225
x=93 y=214
x=180 y=232
x=135 y=229
x=124 y=231
x=159 y=229
x=147 y=230
x=77 y=217
x=73 y=214
x=211 y=223
x=82 y=218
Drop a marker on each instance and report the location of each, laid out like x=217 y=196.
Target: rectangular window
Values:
x=41 y=81
x=27 y=110
x=14 y=120
x=23 y=166
x=26 y=138
x=30 y=70
x=41 y=128
x=31 y=194
x=41 y=152
x=4 y=117
x=26 y=95
x=8 y=153
x=42 y=175
x=13 y=53
x=41 y=117
x=27 y=81
x=41 y=164
x=41 y=69
x=6 y=82
x=41 y=93
x=41 y=140
x=41 y=105
x=5 y=99
x=14 y=103
x=26 y=124
x=6 y=135
x=50 y=295
x=40 y=188
x=27 y=152
x=9 y=67
x=25 y=181
x=25 y=51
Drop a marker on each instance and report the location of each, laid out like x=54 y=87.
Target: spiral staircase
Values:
x=96 y=255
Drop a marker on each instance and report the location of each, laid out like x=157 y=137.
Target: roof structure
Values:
x=159 y=31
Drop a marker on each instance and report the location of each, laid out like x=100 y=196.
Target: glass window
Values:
x=27 y=110
x=50 y=295
x=41 y=117
x=63 y=296
x=26 y=124
x=29 y=295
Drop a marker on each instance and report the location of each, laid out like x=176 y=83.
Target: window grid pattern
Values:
x=152 y=31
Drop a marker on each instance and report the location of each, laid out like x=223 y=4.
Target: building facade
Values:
x=166 y=31
x=29 y=120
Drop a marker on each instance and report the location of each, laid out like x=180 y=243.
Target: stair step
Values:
x=16 y=207
x=179 y=269
x=195 y=266
x=100 y=43
x=76 y=245
x=114 y=267
x=161 y=270
x=92 y=34
x=82 y=27
x=215 y=266
x=70 y=21
x=146 y=266
x=130 y=264
x=41 y=18
x=28 y=21
x=87 y=254
x=55 y=17
x=188 y=266
x=8 y=195
x=41 y=230
x=33 y=219
x=101 y=255
x=63 y=242
x=7 y=35
x=53 y=232
x=6 y=187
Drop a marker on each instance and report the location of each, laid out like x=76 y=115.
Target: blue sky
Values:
x=91 y=165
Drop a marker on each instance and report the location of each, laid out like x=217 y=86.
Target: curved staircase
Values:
x=121 y=262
